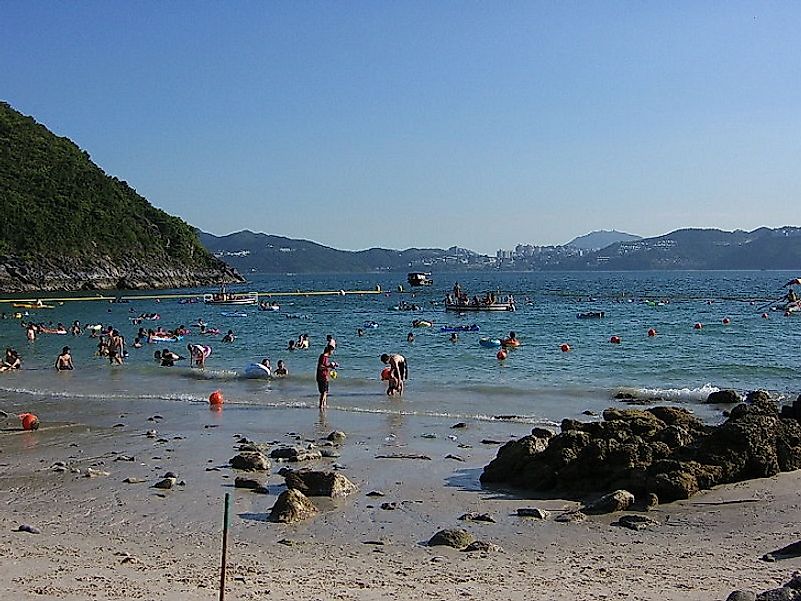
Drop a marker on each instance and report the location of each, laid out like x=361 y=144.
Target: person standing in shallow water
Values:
x=399 y=370
x=324 y=366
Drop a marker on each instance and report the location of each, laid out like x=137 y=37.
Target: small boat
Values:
x=491 y=301
x=419 y=278
x=223 y=297
x=591 y=315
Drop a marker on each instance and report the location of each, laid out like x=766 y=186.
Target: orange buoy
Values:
x=565 y=347
x=698 y=326
x=615 y=340
x=216 y=398
x=385 y=373
x=29 y=421
x=726 y=321
x=652 y=332
x=501 y=355
x=764 y=316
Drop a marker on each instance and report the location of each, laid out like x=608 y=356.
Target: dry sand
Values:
x=102 y=538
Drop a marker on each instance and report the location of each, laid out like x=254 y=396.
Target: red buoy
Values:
x=385 y=373
x=652 y=332
x=29 y=421
x=698 y=326
x=216 y=398
x=615 y=340
x=501 y=355
x=565 y=347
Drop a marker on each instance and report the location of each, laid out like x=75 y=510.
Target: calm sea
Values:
x=462 y=380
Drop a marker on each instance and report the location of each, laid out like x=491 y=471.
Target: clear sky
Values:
x=430 y=123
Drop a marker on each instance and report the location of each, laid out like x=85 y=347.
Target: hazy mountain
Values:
x=763 y=248
x=601 y=239
x=255 y=252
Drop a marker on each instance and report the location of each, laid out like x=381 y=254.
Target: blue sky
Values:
x=398 y=124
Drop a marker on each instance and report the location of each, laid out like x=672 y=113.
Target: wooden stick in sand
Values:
x=226 y=520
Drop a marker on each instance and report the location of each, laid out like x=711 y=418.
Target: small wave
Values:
x=686 y=395
x=520 y=419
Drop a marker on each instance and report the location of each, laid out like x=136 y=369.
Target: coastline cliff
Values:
x=66 y=225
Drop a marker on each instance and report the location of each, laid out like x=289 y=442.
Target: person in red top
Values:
x=324 y=367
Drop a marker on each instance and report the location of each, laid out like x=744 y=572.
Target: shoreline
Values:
x=704 y=547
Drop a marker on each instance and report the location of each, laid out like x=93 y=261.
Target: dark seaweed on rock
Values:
x=663 y=450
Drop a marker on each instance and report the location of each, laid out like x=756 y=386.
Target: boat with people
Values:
x=460 y=301
x=223 y=297
x=419 y=278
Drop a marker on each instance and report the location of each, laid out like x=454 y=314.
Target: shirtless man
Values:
x=116 y=348
x=64 y=360
x=399 y=369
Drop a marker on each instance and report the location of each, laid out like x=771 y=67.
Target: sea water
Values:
x=537 y=383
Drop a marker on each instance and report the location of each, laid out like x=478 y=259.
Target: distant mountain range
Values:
x=701 y=249
x=601 y=239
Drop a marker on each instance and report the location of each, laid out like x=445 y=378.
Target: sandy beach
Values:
x=103 y=538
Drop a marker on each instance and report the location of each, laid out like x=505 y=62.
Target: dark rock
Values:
x=250 y=461
x=389 y=506
x=292 y=506
x=757 y=396
x=459 y=425
x=319 y=484
x=620 y=500
x=533 y=512
x=330 y=453
x=165 y=484
x=295 y=454
x=571 y=517
x=779 y=594
x=786 y=552
x=29 y=529
x=375 y=493
x=251 y=483
x=452 y=537
x=482 y=545
x=637 y=522
x=337 y=437
x=475 y=516
x=723 y=397
x=741 y=596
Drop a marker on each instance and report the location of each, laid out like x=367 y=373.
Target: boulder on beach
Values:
x=620 y=500
x=662 y=451
x=295 y=454
x=319 y=483
x=292 y=506
x=452 y=537
x=250 y=461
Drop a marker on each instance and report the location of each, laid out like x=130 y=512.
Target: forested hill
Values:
x=67 y=225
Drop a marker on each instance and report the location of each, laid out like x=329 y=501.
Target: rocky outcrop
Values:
x=662 y=451
x=292 y=506
x=39 y=273
x=319 y=484
x=452 y=537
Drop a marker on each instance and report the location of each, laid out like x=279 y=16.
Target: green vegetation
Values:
x=55 y=201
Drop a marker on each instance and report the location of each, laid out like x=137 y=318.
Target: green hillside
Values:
x=57 y=203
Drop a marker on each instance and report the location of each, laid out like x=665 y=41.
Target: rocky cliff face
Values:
x=101 y=273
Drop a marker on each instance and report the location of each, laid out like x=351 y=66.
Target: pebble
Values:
x=151 y=433
x=571 y=517
x=533 y=512
x=28 y=528
x=455 y=457
x=376 y=493
x=251 y=483
x=93 y=473
x=474 y=516
x=459 y=425
x=389 y=506
x=330 y=453
x=166 y=483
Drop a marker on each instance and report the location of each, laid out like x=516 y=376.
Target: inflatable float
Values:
x=490 y=342
x=257 y=370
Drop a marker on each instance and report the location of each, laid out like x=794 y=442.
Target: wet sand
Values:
x=106 y=539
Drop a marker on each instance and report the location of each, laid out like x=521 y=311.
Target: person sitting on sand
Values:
x=11 y=360
x=64 y=360
x=280 y=369
x=229 y=337
x=399 y=369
